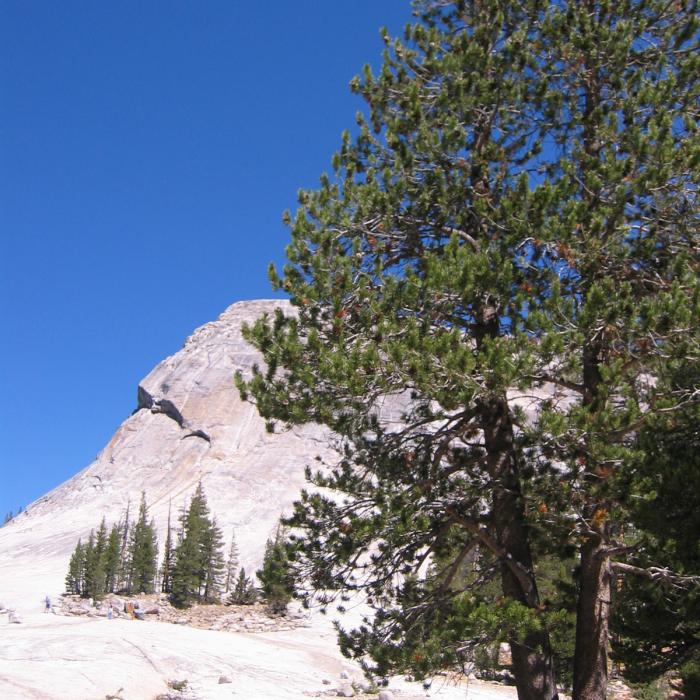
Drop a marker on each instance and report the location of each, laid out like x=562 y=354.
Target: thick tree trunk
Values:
x=592 y=619
x=532 y=659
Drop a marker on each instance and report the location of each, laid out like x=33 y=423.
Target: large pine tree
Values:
x=508 y=249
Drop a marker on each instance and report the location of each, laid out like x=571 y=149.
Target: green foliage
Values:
x=276 y=575
x=104 y=565
x=198 y=567
x=111 y=559
x=143 y=552
x=657 y=626
x=515 y=223
x=212 y=555
x=93 y=583
x=243 y=591
x=166 y=571
x=76 y=570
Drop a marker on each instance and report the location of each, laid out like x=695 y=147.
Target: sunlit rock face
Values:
x=189 y=425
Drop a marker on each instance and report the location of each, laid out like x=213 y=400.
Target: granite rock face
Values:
x=189 y=425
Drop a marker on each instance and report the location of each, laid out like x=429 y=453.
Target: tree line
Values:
x=11 y=515
x=193 y=569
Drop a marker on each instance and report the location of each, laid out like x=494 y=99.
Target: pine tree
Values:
x=276 y=575
x=242 y=591
x=198 y=558
x=231 y=564
x=168 y=560
x=212 y=555
x=143 y=551
x=94 y=573
x=656 y=627
x=124 y=575
x=515 y=224
x=111 y=559
x=75 y=578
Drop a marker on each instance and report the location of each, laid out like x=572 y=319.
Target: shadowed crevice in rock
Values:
x=168 y=408
x=199 y=434
x=165 y=406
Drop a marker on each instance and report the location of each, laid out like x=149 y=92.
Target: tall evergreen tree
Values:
x=231 y=564
x=94 y=572
x=124 y=575
x=198 y=558
x=143 y=551
x=111 y=559
x=213 y=558
x=276 y=574
x=514 y=226
x=75 y=578
x=168 y=559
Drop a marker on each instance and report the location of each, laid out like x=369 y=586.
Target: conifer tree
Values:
x=94 y=573
x=514 y=225
x=168 y=560
x=143 y=551
x=242 y=591
x=276 y=575
x=124 y=576
x=231 y=564
x=75 y=578
x=657 y=627
x=111 y=559
x=198 y=558
x=213 y=558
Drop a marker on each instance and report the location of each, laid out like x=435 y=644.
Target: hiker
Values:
x=47 y=605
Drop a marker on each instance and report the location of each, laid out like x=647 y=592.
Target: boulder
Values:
x=224 y=679
x=385 y=695
x=345 y=691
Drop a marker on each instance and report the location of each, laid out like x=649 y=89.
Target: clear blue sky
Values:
x=147 y=151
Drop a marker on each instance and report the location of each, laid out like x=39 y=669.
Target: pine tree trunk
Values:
x=592 y=619
x=532 y=659
x=595 y=582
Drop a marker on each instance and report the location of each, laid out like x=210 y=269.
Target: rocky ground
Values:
x=80 y=654
x=227 y=618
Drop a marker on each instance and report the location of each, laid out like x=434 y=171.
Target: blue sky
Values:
x=147 y=151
